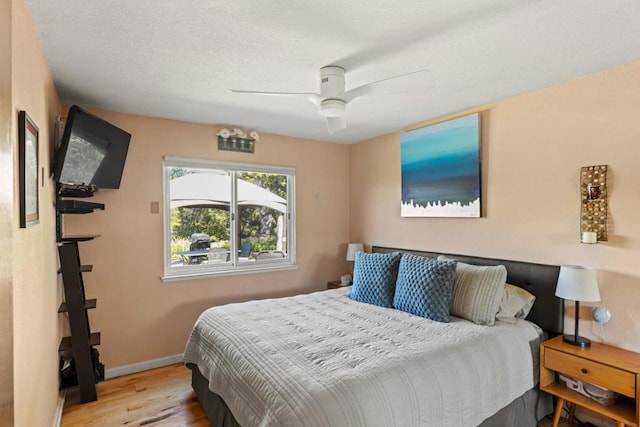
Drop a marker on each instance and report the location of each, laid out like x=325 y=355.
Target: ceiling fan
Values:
x=333 y=99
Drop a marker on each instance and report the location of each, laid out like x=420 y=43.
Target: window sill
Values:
x=209 y=273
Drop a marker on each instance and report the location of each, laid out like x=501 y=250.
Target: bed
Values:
x=325 y=360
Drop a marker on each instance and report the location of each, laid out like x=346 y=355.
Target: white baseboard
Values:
x=58 y=415
x=142 y=366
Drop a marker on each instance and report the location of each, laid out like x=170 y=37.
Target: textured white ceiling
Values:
x=177 y=59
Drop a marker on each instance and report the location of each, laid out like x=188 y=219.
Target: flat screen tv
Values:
x=92 y=151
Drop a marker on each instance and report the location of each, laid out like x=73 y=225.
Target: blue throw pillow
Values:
x=425 y=287
x=374 y=278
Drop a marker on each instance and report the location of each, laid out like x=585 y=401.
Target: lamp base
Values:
x=577 y=341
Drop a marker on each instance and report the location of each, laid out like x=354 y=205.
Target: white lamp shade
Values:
x=578 y=284
x=352 y=248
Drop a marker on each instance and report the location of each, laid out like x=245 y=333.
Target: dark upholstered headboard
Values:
x=539 y=279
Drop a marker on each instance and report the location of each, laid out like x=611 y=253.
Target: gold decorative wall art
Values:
x=593 y=213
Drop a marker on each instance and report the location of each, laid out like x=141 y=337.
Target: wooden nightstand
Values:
x=606 y=366
x=334 y=284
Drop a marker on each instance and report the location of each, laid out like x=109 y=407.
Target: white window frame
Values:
x=233 y=267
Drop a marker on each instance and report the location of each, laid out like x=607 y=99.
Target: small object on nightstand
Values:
x=605 y=366
x=600 y=315
x=334 y=284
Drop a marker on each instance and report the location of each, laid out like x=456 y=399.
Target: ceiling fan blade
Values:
x=409 y=82
x=255 y=92
x=334 y=124
x=315 y=98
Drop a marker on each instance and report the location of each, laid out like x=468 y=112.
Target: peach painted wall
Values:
x=533 y=148
x=6 y=218
x=36 y=290
x=142 y=318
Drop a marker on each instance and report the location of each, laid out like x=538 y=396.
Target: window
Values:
x=227 y=218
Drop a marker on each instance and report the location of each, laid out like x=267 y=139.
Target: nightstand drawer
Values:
x=592 y=372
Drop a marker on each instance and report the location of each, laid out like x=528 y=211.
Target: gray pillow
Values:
x=477 y=292
x=515 y=303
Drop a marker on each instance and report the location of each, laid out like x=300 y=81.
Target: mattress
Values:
x=325 y=360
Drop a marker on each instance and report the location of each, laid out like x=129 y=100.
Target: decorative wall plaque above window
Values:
x=593 y=212
x=237 y=140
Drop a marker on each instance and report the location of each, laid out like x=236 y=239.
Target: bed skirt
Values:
x=524 y=411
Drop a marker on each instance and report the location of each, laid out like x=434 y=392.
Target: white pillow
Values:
x=516 y=303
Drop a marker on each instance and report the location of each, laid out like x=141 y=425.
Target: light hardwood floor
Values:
x=159 y=397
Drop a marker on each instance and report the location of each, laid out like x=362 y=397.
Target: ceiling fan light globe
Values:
x=332 y=108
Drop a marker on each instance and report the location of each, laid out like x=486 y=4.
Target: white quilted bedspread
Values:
x=325 y=360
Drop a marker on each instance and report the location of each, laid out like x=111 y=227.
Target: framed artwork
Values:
x=28 y=170
x=441 y=169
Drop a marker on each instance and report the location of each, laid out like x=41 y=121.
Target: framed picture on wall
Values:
x=440 y=167
x=28 y=170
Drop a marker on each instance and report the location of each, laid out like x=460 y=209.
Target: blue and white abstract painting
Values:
x=441 y=169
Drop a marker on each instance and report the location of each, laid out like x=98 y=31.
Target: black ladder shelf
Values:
x=79 y=360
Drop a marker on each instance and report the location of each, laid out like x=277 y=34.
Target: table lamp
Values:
x=352 y=248
x=578 y=284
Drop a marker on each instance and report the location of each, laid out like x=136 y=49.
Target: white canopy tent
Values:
x=210 y=190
